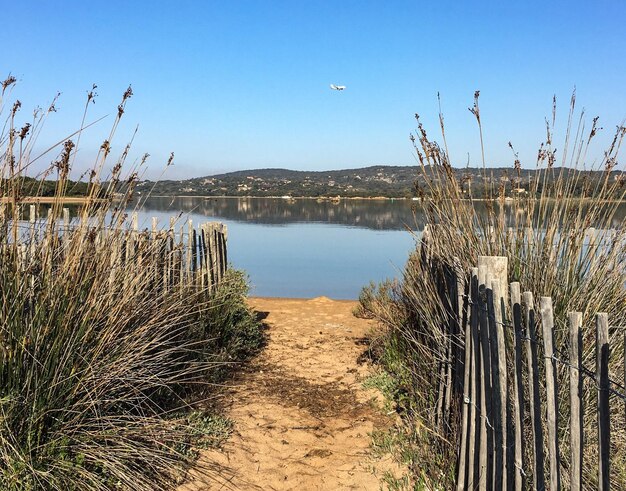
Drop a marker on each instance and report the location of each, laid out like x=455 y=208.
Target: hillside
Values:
x=380 y=180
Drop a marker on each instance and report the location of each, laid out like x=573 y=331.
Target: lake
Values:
x=303 y=248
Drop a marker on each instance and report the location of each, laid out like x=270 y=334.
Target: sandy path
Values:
x=302 y=418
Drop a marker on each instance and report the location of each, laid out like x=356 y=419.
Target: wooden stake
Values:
x=518 y=388
x=475 y=376
x=533 y=385
x=485 y=455
x=575 y=393
x=498 y=383
x=190 y=250
x=602 y=379
x=463 y=449
x=547 y=322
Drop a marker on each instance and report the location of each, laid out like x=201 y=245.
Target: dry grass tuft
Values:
x=562 y=238
x=97 y=359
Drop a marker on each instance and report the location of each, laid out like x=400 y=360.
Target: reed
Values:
x=98 y=353
x=562 y=238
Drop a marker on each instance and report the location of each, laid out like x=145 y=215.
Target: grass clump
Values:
x=101 y=352
x=563 y=237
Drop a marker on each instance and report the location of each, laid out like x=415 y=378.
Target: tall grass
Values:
x=97 y=360
x=558 y=244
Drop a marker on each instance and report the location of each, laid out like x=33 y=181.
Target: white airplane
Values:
x=337 y=87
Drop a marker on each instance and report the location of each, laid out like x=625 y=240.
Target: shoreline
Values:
x=47 y=200
x=507 y=201
x=319 y=298
x=286 y=198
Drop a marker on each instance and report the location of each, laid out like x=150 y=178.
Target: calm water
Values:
x=303 y=248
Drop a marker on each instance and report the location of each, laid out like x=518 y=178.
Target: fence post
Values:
x=180 y=257
x=494 y=268
x=475 y=375
x=32 y=220
x=518 y=387
x=217 y=242
x=194 y=255
x=66 y=218
x=212 y=234
x=135 y=221
x=225 y=247
x=202 y=255
x=465 y=423
x=547 y=322
x=498 y=381
x=602 y=379
x=533 y=384
x=575 y=396
x=485 y=454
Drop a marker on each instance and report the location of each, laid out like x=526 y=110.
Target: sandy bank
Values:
x=302 y=417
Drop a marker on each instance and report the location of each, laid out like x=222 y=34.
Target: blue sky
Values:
x=231 y=85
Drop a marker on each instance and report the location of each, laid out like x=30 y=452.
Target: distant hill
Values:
x=378 y=180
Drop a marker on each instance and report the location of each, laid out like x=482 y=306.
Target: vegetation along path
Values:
x=302 y=419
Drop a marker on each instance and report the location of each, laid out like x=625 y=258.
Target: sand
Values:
x=301 y=416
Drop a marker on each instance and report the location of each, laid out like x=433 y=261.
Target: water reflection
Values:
x=305 y=248
x=370 y=214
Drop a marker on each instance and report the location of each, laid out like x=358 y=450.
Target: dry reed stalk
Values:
x=562 y=238
x=96 y=352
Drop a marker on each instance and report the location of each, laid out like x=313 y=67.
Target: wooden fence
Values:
x=179 y=256
x=501 y=347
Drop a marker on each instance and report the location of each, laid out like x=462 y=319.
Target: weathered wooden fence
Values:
x=502 y=349
x=178 y=256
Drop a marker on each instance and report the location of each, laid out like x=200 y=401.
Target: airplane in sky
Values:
x=337 y=87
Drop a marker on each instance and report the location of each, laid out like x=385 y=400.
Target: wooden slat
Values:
x=225 y=245
x=485 y=455
x=576 y=391
x=518 y=388
x=211 y=257
x=602 y=379
x=547 y=322
x=217 y=254
x=498 y=385
x=135 y=221
x=32 y=220
x=494 y=267
x=190 y=251
x=203 y=252
x=467 y=357
x=534 y=395
x=194 y=254
x=180 y=258
x=475 y=375
x=50 y=225
x=66 y=217
x=500 y=295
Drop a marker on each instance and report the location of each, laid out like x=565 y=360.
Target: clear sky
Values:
x=234 y=84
